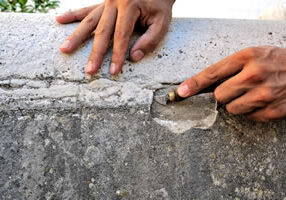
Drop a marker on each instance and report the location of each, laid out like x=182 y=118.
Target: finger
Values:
x=247 y=103
x=267 y=114
x=231 y=88
x=150 y=39
x=102 y=37
x=83 y=31
x=219 y=71
x=124 y=28
x=273 y=111
x=76 y=15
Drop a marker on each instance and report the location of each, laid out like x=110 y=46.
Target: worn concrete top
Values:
x=63 y=137
x=31 y=64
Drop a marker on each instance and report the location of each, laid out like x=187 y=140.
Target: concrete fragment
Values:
x=199 y=111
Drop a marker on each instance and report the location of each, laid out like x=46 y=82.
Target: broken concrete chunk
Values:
x=199 y=111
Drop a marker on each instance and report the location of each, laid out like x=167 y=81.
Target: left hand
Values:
x=257 y=87
x=117 y=19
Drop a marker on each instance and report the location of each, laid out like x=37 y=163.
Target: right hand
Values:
x=253 y=83
x=118 y=17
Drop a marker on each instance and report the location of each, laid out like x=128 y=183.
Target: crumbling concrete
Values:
x=63 y=137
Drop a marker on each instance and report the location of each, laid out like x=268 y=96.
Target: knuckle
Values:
x=251 y=52
x=265 y=95
x=100 y=32
x=269 y=51
x=89 y=19
x=193 y=84
x=257 y=74
x=211 y=73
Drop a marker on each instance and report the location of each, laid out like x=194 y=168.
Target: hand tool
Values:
x=173 y=95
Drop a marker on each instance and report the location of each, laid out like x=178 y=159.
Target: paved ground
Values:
x=63 y=137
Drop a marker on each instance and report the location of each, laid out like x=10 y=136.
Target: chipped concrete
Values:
x=199 y=111
x=63 y=137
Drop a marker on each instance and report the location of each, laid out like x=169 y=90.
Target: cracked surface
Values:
x=101 y=93
x=62 y=137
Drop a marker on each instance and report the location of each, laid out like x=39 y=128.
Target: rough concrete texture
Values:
x=62 y=137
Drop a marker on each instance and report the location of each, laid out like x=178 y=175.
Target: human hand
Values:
x=257 y=87
x=118 y=17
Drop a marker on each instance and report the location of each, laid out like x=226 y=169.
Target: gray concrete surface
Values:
x=62 y=137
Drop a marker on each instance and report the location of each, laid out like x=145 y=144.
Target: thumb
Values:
x=149 y=40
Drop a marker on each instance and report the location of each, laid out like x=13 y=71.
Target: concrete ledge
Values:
x=30 y=59
x=62 y=137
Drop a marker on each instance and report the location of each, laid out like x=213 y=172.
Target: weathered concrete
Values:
x=62 y=137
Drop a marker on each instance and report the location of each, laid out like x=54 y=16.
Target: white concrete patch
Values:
x=196 y=112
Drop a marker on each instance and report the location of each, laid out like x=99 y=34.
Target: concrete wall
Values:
x=63 y=137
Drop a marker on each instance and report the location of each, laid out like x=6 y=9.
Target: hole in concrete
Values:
x=199 y=111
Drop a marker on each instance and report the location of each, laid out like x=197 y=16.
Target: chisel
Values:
x=173 y=96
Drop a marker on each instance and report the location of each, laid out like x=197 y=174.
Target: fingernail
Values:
x=184 y=90
x=66 y=45
x=90 y=67
x=112 y=68
x=137 y=55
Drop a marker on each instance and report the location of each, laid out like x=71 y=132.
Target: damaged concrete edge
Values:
x=57 y=81
x=101 y=93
